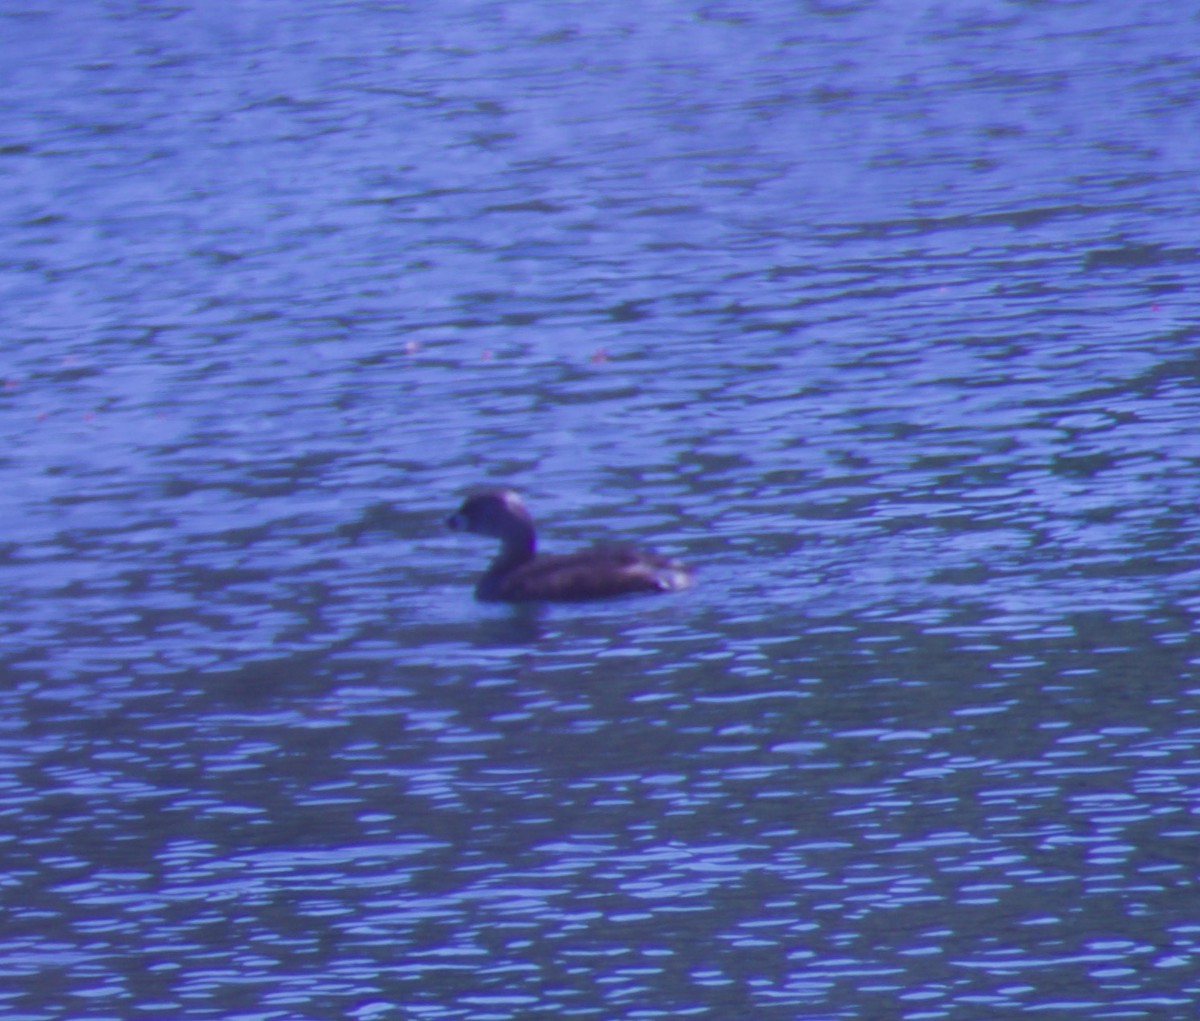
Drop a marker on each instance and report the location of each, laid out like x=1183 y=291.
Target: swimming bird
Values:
x=520 y=574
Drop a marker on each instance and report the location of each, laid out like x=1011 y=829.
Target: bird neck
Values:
x=518 y=543
x=515 y=551
x=517 y=546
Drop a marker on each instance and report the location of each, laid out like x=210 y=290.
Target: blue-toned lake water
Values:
x=883 y=314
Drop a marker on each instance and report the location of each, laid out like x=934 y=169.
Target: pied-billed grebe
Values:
x=520 y=574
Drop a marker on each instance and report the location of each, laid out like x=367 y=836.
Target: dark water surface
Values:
x=882 y=313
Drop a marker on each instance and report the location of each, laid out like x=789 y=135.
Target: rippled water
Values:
x=883 y=314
